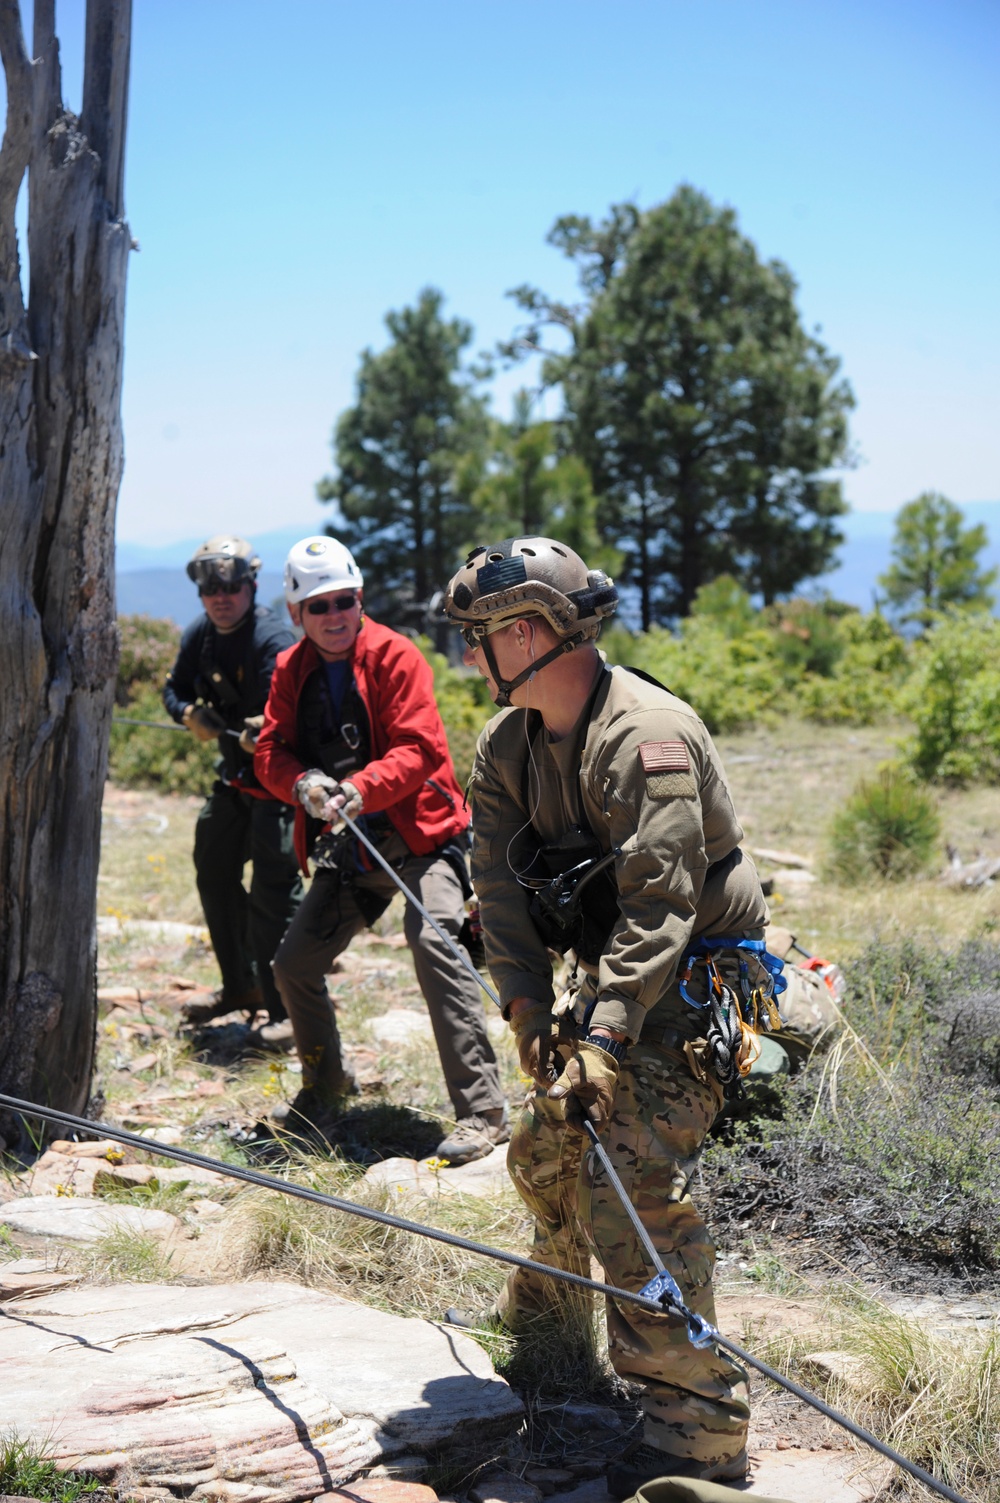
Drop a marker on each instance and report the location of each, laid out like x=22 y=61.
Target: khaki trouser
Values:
x=695 y=1402
x=324 y=926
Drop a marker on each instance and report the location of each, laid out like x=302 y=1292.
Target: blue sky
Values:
x=295 y=170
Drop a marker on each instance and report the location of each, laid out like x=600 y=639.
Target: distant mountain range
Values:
x=152 y=580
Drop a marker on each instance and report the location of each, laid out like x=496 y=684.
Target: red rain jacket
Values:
x=410 y=776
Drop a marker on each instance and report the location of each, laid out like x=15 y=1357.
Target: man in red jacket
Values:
x=351 y=724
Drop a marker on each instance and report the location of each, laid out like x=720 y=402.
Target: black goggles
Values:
x=320 y=607
x=216 y=587
x=211 y=573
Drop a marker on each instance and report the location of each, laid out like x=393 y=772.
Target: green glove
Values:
x=588 y=1085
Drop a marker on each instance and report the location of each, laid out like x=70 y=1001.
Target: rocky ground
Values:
x=142 y=1342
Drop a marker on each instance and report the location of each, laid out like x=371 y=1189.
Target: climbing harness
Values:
x=660 y=1296
x=738 y=1012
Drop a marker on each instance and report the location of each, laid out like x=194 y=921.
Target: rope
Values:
x=162 y=725
x=665 y=1303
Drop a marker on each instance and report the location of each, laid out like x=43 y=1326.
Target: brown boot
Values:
x=474 y=1137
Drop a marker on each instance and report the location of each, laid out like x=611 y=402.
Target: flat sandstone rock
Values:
x=79 y=1218
x=486 y=1177
x=254 y=1393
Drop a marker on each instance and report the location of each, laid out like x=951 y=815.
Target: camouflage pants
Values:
x=695 y=1402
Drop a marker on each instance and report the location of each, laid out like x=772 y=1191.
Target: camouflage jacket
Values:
x=640 y=769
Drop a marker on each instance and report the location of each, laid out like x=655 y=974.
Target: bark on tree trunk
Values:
x=60 y=468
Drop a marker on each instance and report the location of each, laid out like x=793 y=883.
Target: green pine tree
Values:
x=707 y=416
x=397 y=451
x=935 y=562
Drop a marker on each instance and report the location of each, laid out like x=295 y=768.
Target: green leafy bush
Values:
x=465 y=707
x=26 y=1472
x=867 y=679
x=806 y=637
x=732 y=681
x=954 y=701
x=169 y=760
x=738 y=666
x=888 y=828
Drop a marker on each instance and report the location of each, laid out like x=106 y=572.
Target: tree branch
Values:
x=14 y=154
x=48 y=75
x=105 y=92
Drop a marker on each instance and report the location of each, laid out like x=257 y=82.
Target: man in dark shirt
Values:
x=218 y=684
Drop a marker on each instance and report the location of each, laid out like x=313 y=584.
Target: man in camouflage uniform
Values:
x=621 y=762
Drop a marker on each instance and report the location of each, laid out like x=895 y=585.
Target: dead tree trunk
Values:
x=60 y=468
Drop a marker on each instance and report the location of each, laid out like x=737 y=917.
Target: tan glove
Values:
x=532 y=1030
x=345 y=800
x=314 y=791
x=252 y=727
x=588 y=1085
x=204 y=723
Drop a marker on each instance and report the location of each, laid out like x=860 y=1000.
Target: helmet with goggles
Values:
x=319 y=564
x=223 y=560
x=529 y=576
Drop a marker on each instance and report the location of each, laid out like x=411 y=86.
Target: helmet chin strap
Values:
x=506 y=686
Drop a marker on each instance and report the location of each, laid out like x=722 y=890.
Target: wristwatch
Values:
x=617 y=1048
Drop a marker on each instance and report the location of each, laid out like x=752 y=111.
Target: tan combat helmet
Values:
x=529 y=576
x=225 y=559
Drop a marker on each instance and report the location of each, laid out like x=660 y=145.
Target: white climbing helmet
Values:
x=317 y=565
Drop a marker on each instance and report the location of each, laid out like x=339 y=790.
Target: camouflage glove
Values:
x=532 y=1030
x=314 y=791
x=588 y=1085
x=252 y=727
x=204 y=723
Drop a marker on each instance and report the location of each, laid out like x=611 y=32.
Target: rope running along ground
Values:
x=665 y=1303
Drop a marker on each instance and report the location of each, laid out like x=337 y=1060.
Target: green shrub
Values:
x=139 y=757
x=868 y=677
x=170 y=761
x=806 y=635
x=731 y=681
x=26 y=1472
x=465 y=706
x=954 y=701
x=888 y=828
x=147 y=649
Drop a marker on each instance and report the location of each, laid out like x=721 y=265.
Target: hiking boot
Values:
x=474 y=1137
x=219 y=1004
x=275 y=1037
x=643 y=1462
x=314 y=1114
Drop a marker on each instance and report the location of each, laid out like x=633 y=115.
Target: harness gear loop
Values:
x=735 y=1019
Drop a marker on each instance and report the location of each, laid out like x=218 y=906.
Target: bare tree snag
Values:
x=60 y=469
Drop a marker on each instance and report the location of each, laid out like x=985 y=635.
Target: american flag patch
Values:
x=664 y=756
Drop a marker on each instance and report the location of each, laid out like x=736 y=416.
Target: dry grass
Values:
x=787 y=786
x=124 y=1257
x=146 y=867
x=393 y=1270
x=934 y=1397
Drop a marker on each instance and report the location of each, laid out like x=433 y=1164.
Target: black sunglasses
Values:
x=338 y=603
x=216 y=587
